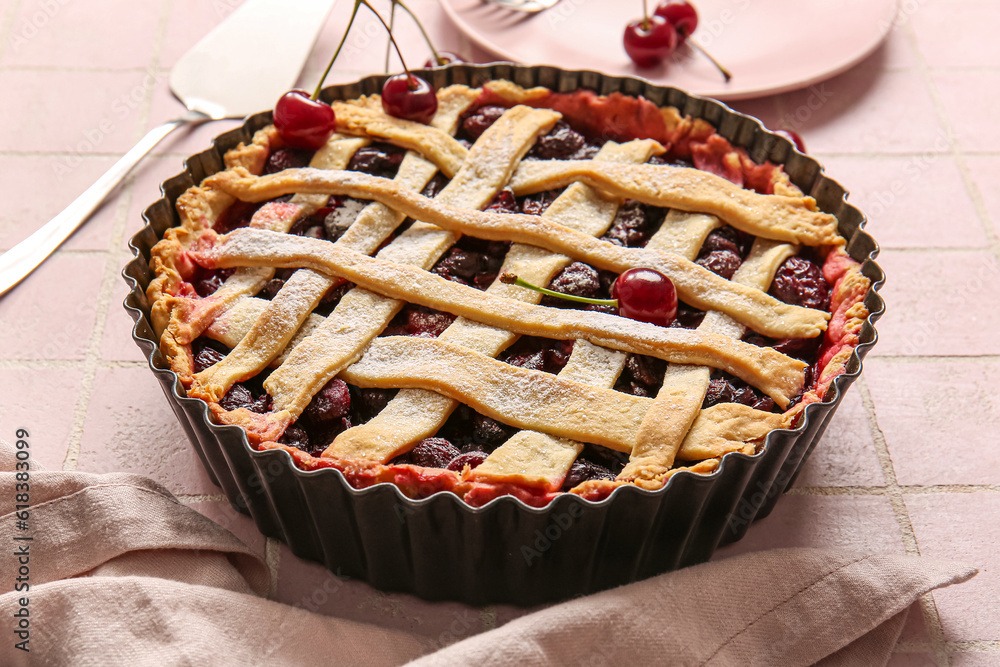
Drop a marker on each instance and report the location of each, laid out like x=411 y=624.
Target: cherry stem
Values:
x=354 y=13
x=409 y=77
x=508 y=278
x=725 y=72
x=645 y=16
x=392 y=25
x=423 y=32
x=329 y=66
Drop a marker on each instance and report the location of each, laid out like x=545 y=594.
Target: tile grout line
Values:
x=971 y=189
x=201 y=497
x=932 y=619
x=272 y=556
x=912 y=490
x=111 y=271
x=975 y=646
x=932 y=616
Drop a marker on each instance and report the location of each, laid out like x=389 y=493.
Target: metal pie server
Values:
x=239 y=68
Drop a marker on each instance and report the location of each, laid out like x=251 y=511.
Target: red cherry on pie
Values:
x=409 y=97
x=303 y=122
x=646 y=295
x=649 y=41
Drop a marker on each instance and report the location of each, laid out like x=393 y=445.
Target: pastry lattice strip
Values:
x=402 y=254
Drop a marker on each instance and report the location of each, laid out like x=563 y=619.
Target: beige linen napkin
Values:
x=123 y=574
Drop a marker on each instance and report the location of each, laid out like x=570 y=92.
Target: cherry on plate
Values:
x=681 y=15
x=649 y=41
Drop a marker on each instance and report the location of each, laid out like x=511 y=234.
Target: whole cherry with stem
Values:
x=649 y=40
x=684 y=18
x=403 y=95
x=640 y=294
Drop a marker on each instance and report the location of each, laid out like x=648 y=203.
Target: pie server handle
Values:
x=22 y=259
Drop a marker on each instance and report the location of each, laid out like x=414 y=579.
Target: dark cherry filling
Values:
x=435 y=185
x=688 y=317
x=430 y=453
x=378 y=159
x=806 y=349
x=472 y=432
x=563 y=143
x=331 y=221
x=671 y=161
x=207 y=281
x=724 y=388
x=594 y=463
x=236 y=216
x=538 y=203
x=577 y=279
x=366 y=403
x=467 y=438
x=414 y=320
x=800 y=282
x=207 y=352
x=634 y=225
x=504 y=202
x=642 y=376
x=477 y=121
x=538 y=354
x=326 y=416
x=472 y=262
x=287 y=158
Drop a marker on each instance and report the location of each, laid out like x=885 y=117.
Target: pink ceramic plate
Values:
x=770 y=45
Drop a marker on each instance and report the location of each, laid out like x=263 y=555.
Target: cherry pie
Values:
x=344 y=305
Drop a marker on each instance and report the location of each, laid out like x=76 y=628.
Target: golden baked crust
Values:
x=557 y=414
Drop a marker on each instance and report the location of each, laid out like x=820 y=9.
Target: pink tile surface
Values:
x=187 y=140
x=908 y=199
x=959 y=33
x=984 y=172
x=846 y=454
x=51 y=314
x=859 y=523
x=940 y=303
x=116 y=343
x=864 y=110
x=130 y=428
x=989 y=657
x=36 y=188
x=75 y=112
x=65 y=34
x=970 y=98
x=146 y=190
x=189 y=21
x=43 y=402
x=79 y=95
x=963 y=527
x=932 y=415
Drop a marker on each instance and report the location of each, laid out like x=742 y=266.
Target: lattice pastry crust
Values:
x=390 y=261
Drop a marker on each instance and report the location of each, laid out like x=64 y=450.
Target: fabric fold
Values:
x=123 y=573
